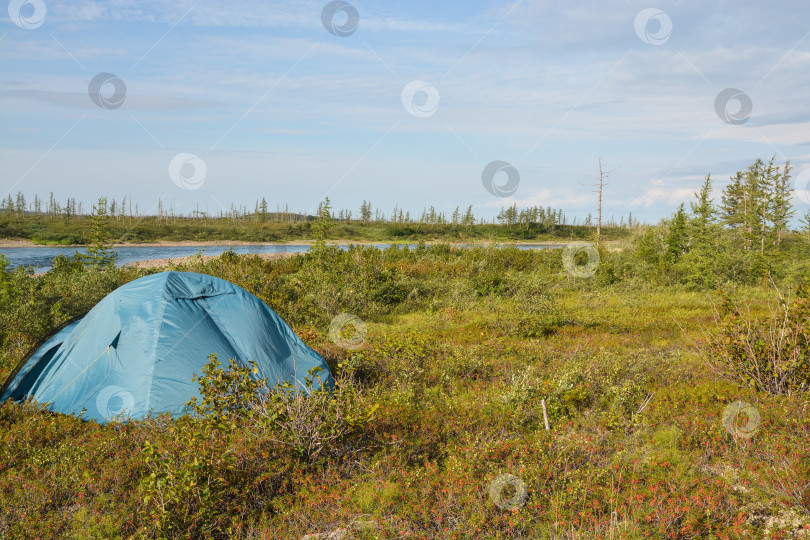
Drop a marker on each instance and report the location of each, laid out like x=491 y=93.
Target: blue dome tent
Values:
x=137 y=350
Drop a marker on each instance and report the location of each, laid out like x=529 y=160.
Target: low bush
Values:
x=769 y=353
x=224 y=463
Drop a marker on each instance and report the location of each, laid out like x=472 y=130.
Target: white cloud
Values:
x=545 y=197
x=667 y=195
x=301 y=14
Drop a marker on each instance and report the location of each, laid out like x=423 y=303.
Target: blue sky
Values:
x=276 y=106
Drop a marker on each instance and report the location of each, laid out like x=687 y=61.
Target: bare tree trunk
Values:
x=747 y=226
x=603 y=174
x=599 y=212
x=762 y=238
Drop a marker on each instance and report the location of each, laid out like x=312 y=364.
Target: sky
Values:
x=204 y=103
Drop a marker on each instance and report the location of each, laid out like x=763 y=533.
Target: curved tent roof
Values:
x=137 y=350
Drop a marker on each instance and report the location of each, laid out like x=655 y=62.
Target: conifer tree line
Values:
x=755 y=207
x=547 y=218
x=52 y=208
x=740 y=233
x=550 y=218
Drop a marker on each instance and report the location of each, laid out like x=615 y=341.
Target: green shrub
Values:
x=313 y=422
x=488 y=281
x=204 y=477
x=190 y=490
x=771 y=354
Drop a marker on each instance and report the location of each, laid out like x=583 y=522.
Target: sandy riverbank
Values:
x=174 y=261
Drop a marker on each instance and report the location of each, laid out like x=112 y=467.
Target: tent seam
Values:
x=155 y=349
x=222 y=328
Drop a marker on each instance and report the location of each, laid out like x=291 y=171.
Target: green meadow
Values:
x=442 y=398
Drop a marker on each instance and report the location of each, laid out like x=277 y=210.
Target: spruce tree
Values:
x=20 y=203
x=99 y=251
x=469 y=218
x=323 y=225
x=703 y=213
x=365 y=211
x=806 y=222
x=699 y=263
x=263 y=209
x=781 y=208
x=677 y=239
x=755 y=204
x=731 y=206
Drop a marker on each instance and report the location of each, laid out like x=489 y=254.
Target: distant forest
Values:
x=547 y=216
x=754 y=212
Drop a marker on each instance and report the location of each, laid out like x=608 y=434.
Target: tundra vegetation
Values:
x=675 y=381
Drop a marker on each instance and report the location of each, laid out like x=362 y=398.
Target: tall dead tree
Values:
x=603 y=174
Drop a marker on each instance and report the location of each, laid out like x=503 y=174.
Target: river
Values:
x=40 y=257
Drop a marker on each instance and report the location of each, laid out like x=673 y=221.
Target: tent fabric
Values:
x=137 y=350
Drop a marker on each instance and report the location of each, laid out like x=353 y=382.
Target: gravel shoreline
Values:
x=175 y=261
